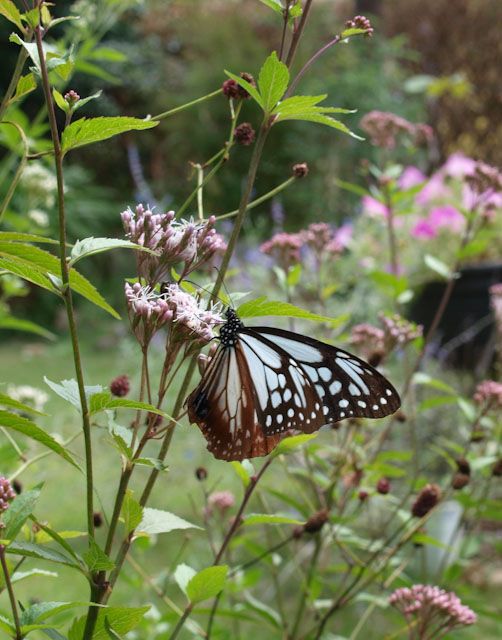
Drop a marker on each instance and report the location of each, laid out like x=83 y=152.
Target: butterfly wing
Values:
x=223 y=406
x=301 y=383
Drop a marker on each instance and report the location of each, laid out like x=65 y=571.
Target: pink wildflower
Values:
x=432 y=610
x=285 y=248
x=148 y=311
x=317 y=236
x=458 y=165
x=448 y=217
x=222 y=500
x=489 y=393
x=7 y=493
x=196 y=321
x=373 y=208
x=434 y=189
x=424 y=229
x=411 y=177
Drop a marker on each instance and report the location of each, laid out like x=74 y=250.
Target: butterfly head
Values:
x=229 y=331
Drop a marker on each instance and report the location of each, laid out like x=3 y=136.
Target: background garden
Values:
x=380 y=233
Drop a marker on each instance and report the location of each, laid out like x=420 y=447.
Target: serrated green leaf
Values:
x=68 y=390
x=110 y=631
x=438 y=266
x=25 y=85
x=273 y=81
x=288 y=445
x=31 y=550
x=263 y=307
x=96 y=559
x=298 y=103
x=30 y=48
x=267 y=518
x=43 y=610
x=320 y=118
x=103 y=400
x=9 y=10
x=20 y=324
x=153 y=463
x=206 y=583
x=182 y=575
x=121 y=619
x=89 y=130
x=92 y=246
x=131 y=512
x=60 y=101
x=18 y=512
x=83 y=101
x=253 y=91
x=26 y=271
x=7 y=401
x=7 y=625
x=31 y=430
x=46 y=534
x=157 y=521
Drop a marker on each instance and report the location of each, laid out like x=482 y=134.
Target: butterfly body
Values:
x=263 y=382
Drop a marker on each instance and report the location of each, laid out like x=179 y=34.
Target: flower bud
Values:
x=230 y=88
x=363 y=495
x=300 y=170
x=463 y=466
x=71 y=97
x=383 y=486
x=244 y=134
x=120 y=386
x=7 y=493
x=459 y=481
x=248 y=78
x=426 y=500
x=316 y=522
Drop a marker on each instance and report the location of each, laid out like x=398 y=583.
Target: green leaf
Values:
x=9 y=10
x=43 y=610
x=389 y=282
x=242 y=470
x=289 y=445
x=427 y=380
x=298 y=104
x=131 y=513
x=273 y=81
x=157 y=521
x=104 y=400
x=83 y=101
x=438 y=266
x=25 y=85
x=153 y=463
x=91 y=246
x=111 y=633
x=25 y=270
x=30 y=429
x=265 y=612
x=17 y=576
x=46 y=534
x=253 y=92
x=263 y=307
x=31 y=550
x=30 y=48
x=120 y=619
x=7 y=401
x=182 y=575
x=353 y=31
x=20 y=324
x=294 y=274
x=96 y=559
x=18 y=512
x=353 y=188
x=275 y=5
x=14 y=236
x=8 y=626
x=68 y=390
x=207 y=583
x=60 y=101
x=89 y=130
x=320 y=118
x=266 y=518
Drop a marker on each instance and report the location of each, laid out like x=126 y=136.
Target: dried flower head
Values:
x=460 y=480
x=244 y=134
x=317 y=236
x=221 y=500
x=463 y=466
x=432 y=610
x=300 y=169
x=97 y=518
x=230 y=88
x=426 y=500
x=489 y=393
x=285 y=248
x=7 y=494
x=120 y=386
x=316 y=522
x=171 y=241
x=383 y=486
x=384 y=129
x=370 y=340
x=360 y=22
x=248 y=78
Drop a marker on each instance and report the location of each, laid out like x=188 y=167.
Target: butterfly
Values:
x=262 y=382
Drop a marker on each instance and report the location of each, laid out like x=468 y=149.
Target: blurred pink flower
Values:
x=435 y=188
x=446 y=216
x=221 y=500
x=458 y=165
x=343 y=235
x=424 y=229
x=410 y=177
x=373 y=208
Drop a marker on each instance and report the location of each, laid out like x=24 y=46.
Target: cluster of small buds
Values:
x=148 y=311
x=360 y=22
x=220 y=500
x=398 y=331
x=232 y=89
x=317 y=236
x=484 y=179
x=370 y=340
x=7 y=493
x=426 y=500
x=71 y=97
x=192 y=317
x=385 y=128
x=120 y=386
x=285 y=248
x=171 y=241
x=383 y=486
x=244 y=134
x=489 y=394
x=300 y=169
x=431 y=609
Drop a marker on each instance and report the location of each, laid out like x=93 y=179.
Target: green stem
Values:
x=263 y=198
x=19 y=171
x=298 y=34
x=182 y=107
x=39 y=457
x=181 y=622
x=302 y=600
x=18 y=69
x=10 y=590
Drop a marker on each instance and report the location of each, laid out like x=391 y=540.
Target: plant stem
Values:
x=295 y=40
x=182 y=107
x=40 y=456
x=309 y=63
x=391 y=231
x=10 y=590
x=181 y=622
x=18 y=69
x=257 y=201
x=19 y=171
x=302 y=599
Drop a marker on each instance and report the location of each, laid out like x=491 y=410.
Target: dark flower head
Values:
x=363 y=495
x=497 y=468
x=244 y=134
x=316 y=522
x=383 y=486
x=230 y=88
x=300 y=169
x=459 y=481
x=242 y=93
x=120 y=386
x=426 y=500
x=201 y=473
x=97 y=518
x=463 y=466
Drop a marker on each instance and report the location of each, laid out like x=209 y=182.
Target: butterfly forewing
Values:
x=346 y=386
x=223 y=407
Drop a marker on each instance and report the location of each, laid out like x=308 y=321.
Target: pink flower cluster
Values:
x=432 y=609
x=193 y=316
x=221 y=500
x=318 y=237
x=171 y=241
x=7 y=494
x=442 y=217
x=375 y=342
x=148 y=311
x=385 y=128
x=489 y=392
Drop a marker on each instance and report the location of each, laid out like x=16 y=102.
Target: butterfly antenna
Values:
x=232 y=305
x=206 y=290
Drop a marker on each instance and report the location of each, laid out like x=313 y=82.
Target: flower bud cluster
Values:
x=186 y=241
x=7 y=494
x=120 y=386
x=148 y=311
x=360 y=22
x=432 y=607
x=398 y=331
x=285 y=248
x=244 y=134
x=220 y=500
x=232 y=89
x=384 y=129
x=489 y=393
x=426 y=500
